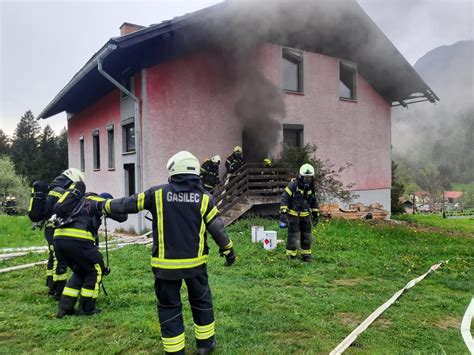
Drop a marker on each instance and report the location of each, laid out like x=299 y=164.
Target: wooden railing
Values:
x=252 y=180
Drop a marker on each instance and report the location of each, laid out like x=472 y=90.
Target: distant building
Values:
x=227 y=76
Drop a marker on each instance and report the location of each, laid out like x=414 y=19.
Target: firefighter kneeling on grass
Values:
x=298 y=204
x=182 y=212
x=78 y=218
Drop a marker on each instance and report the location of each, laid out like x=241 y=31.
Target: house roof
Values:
x=453 y=194
x=339 y=29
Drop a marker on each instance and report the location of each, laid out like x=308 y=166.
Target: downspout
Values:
x=138 y=170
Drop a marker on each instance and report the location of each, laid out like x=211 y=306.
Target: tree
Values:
x=61 y=159
x=47 y=155
x=430 y=180
x=327 y=176
x=396 y=192
x=24 y=150
x=11 y=183
x=4 y=143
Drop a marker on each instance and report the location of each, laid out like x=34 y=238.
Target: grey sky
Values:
x=44 y=43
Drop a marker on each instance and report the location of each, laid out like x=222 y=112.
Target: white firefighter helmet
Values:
x=237 y=149
x=8 y=198
x=73 y=174
x=183 y=162
x=307 y=170
x=216 y=159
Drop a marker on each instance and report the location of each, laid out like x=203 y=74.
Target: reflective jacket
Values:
x=299 y=199
x=58 y=187
x=234 y=163
x=182 y=211
x=210 y=173
x=81 y=215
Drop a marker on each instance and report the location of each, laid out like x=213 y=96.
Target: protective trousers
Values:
x=55 y=274
x=171 y=317
x=299 y=228
x=87 y=264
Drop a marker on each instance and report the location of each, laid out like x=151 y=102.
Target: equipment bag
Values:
x=37 y=207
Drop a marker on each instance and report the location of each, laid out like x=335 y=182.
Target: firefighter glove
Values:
x=315 y=218
x=229 y=256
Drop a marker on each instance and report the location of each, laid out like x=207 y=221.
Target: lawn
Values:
x=450 y=225
x=266 y=304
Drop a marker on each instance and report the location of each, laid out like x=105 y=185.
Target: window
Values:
x=347 y=81
x=129 y=135
x=81 y=152
x=96 y=149
x=111 y=146
x=293 y=135
x=292 y=70
x=129 y=170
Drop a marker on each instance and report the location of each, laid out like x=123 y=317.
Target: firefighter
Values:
x=234 y=163
x=182 y=212
x=298 y=204
x=79 y=218
x=210 y=173
x=56 y=274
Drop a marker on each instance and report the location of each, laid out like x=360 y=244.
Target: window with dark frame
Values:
x=347 y=81
x=96 y=149
x=293 y=135
x=292 y=70
x=111 y=146
x=129 y=137
x=81 y=152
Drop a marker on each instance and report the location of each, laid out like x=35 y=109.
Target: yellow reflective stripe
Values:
x=300 y=214
x=141 y=201
x=55 y=194
x=63 y=197
x=30 y=206
x=85 y=292
x=74 y=233
x=173 y=344
x=178 y=263
x=71 y=292
x=229 y=245
x=95 y=198
x=202 y=332
x=107 y=206
x=159 y=222
x=315 y=210
x=99 y=279
x=212 y=214
x=291 y=252
x=288 y=191
x=202 y=230
x=60 y=277
x=305 y=252
x=55 y=265
x=49 y=272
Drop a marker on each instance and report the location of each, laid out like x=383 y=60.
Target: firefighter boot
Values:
x=208 y=347
x=87 y=306
x=58 y=287
x=66 y=306
x=50 y=284
x=306 y=258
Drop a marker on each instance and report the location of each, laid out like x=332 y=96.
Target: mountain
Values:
x=441 y=134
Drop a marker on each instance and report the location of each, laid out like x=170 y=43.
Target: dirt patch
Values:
x=448 y=322
x=382 y=322
x=348 y=282
x=349 y=319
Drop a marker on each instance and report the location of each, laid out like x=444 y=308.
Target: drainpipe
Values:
x=138 y=170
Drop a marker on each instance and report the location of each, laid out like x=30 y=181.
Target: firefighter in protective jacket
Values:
x=298 y=204
x=79 y=218
x=182 y=212
x=234 y=162
x=210 y=172
x=56 y=274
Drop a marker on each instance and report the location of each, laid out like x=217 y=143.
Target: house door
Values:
x=129 y=170
x=253 y=151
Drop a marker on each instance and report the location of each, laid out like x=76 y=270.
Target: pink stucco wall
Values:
x=344 y=131
x=189 y=104
x=98 y=116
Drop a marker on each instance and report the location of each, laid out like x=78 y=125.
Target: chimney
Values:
x=127 y=28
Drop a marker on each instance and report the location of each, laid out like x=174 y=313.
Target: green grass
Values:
x=16 y=231
x=451 y=225
x=266 y=304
